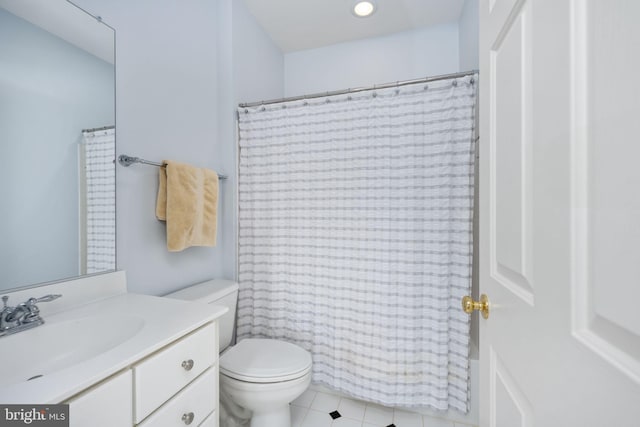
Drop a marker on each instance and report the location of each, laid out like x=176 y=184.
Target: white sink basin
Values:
x=85 y=343
x=56 y=346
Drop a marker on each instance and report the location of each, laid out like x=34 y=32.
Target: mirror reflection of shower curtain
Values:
x=355 y=237
x=97 y=201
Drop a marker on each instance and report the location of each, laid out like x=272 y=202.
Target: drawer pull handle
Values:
x=188 y=418
x=187 y=364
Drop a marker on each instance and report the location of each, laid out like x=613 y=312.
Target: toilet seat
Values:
x=265 y=361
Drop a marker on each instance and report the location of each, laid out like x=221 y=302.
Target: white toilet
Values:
x=261 y=375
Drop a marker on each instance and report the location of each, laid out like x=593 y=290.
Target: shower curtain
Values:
x=355 y=239
x=97 y=200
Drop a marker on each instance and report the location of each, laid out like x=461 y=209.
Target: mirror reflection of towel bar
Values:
x=127 y=161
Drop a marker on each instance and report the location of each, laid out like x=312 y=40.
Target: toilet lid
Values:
x=265 y=360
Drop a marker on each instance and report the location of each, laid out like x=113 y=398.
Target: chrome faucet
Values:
x=24 y=316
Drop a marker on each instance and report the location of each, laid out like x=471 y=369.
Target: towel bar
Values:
x=127 y=161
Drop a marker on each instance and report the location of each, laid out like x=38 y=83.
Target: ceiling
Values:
x=307 y=24
x=63 y=19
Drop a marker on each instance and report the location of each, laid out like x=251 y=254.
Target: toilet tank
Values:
x=217 y=292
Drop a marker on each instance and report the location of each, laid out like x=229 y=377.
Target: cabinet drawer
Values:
x=211 y=420
x=109 y=404
x=196 y=401
x=162 y=375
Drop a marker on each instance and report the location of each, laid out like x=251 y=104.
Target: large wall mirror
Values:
x=57 y=143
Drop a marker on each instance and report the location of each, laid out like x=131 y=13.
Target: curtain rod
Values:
x=360 y=89
x=127 y=161
x=98 y=129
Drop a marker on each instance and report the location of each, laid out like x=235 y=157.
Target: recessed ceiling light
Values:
x=364 y=8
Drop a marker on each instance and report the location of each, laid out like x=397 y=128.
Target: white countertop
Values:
x=158 y=321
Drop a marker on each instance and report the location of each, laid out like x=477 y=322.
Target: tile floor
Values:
x=318 y=409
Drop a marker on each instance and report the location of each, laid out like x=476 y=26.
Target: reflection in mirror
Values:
x=57 y=215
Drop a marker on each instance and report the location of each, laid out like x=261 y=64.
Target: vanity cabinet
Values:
x=176 y=386
x=191 y=406
x=184 y=375
x=108 y=404
x=211 y=421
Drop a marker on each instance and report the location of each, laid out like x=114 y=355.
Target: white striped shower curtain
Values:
x=355 y=237
x=98 y=201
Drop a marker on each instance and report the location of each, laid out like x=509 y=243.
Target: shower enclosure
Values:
x=355 y=235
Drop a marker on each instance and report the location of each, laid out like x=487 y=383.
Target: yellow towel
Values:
x=188 y=201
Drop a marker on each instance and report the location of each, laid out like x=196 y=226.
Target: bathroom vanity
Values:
x=174 y=386
x=117 y=359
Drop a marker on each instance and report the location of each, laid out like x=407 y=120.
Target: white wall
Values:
x=258 y=64
x=166 y=69
x=168 y=60
x=468 y=40
x=250 y=67
x=402 y=56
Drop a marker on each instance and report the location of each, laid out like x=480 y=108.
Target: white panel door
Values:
x=560 y=212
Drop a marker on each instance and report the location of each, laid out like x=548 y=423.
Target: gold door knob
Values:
x=469 y=305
